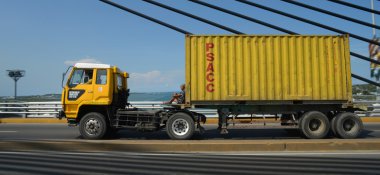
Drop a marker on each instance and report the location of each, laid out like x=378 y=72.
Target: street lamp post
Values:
x=16 y=75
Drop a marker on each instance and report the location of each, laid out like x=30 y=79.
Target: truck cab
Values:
x=95 y=97
x=99 y=88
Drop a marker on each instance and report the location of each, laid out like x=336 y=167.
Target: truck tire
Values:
x=93 y=126
x=348 y=125
x=314 y=125
x=180 y=126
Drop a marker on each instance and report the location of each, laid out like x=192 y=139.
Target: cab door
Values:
x=102 y=93
x=80 y=89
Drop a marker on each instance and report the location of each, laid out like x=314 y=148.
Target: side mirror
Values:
x=64 y=76
x=63 y=79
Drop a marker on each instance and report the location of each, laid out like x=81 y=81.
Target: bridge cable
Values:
x=331 y=13
x=307 y=21
x=365 y=80
x=146 y=17
x=355 y=6
x=245 y=17
x=193 y=16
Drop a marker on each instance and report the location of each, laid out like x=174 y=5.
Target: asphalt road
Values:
x=159 y=163
x=57 y=162
x=62 y=131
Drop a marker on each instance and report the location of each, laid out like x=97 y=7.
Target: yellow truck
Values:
x=304 y=79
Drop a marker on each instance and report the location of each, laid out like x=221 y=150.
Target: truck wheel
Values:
x=314 y=125
x=93 y=126
x=180 y=126
x=348 y=125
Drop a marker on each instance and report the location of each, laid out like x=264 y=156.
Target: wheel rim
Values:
x=92 y=126
x=349 y=125
x=315 y=125
x=180 y=127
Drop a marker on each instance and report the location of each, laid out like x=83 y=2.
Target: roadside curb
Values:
x=192 y=145
x=209 y=120
x=370 y=119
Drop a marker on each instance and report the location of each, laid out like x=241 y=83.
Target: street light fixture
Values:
x=16 y=75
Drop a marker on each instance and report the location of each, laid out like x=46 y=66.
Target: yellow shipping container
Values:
x=276 y=68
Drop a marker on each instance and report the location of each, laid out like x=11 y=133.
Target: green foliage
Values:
x=149 y=96
x=363 y=89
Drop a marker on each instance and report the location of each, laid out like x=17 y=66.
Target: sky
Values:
x=44 y=37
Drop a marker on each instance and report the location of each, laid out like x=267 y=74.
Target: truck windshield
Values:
x=76 y=78
x=81 y=76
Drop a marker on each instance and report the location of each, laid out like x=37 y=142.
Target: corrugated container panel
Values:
x=263 y=68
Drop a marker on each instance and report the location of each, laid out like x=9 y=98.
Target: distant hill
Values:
x=149 y=96
x=46 y=97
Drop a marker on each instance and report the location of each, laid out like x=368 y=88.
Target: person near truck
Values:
x=179 y=97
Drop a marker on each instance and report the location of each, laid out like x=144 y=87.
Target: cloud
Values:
x=83 y=60
x=156 y=81
x=146 y=77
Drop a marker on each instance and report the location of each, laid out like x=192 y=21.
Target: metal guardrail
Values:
x=50 y=109
x=30 y=109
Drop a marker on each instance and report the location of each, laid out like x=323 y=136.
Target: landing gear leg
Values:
x=223 y=114
x=201 y=118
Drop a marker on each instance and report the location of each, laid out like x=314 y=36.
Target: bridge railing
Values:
x=30 y=109
x=51 y=109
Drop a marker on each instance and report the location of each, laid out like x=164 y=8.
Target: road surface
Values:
x=96 y=162
x=62 y=131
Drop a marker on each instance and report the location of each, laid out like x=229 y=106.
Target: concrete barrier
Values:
x=192 y=145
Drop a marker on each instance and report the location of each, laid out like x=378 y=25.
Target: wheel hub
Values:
x=180 y=127
x=314 y=124
x=348 y=125
x=92 y=127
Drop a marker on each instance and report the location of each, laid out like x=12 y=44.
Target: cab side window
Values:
x=87 y=77
x=101 y=76
x=119 y=82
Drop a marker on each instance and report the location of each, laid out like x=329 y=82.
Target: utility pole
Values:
x=376 y=55
x=16 y=75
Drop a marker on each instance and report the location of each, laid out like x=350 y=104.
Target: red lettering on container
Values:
x=210 y=77
x=210 y=88
x=210 y=56
x=209 y=46
x=210 y=67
